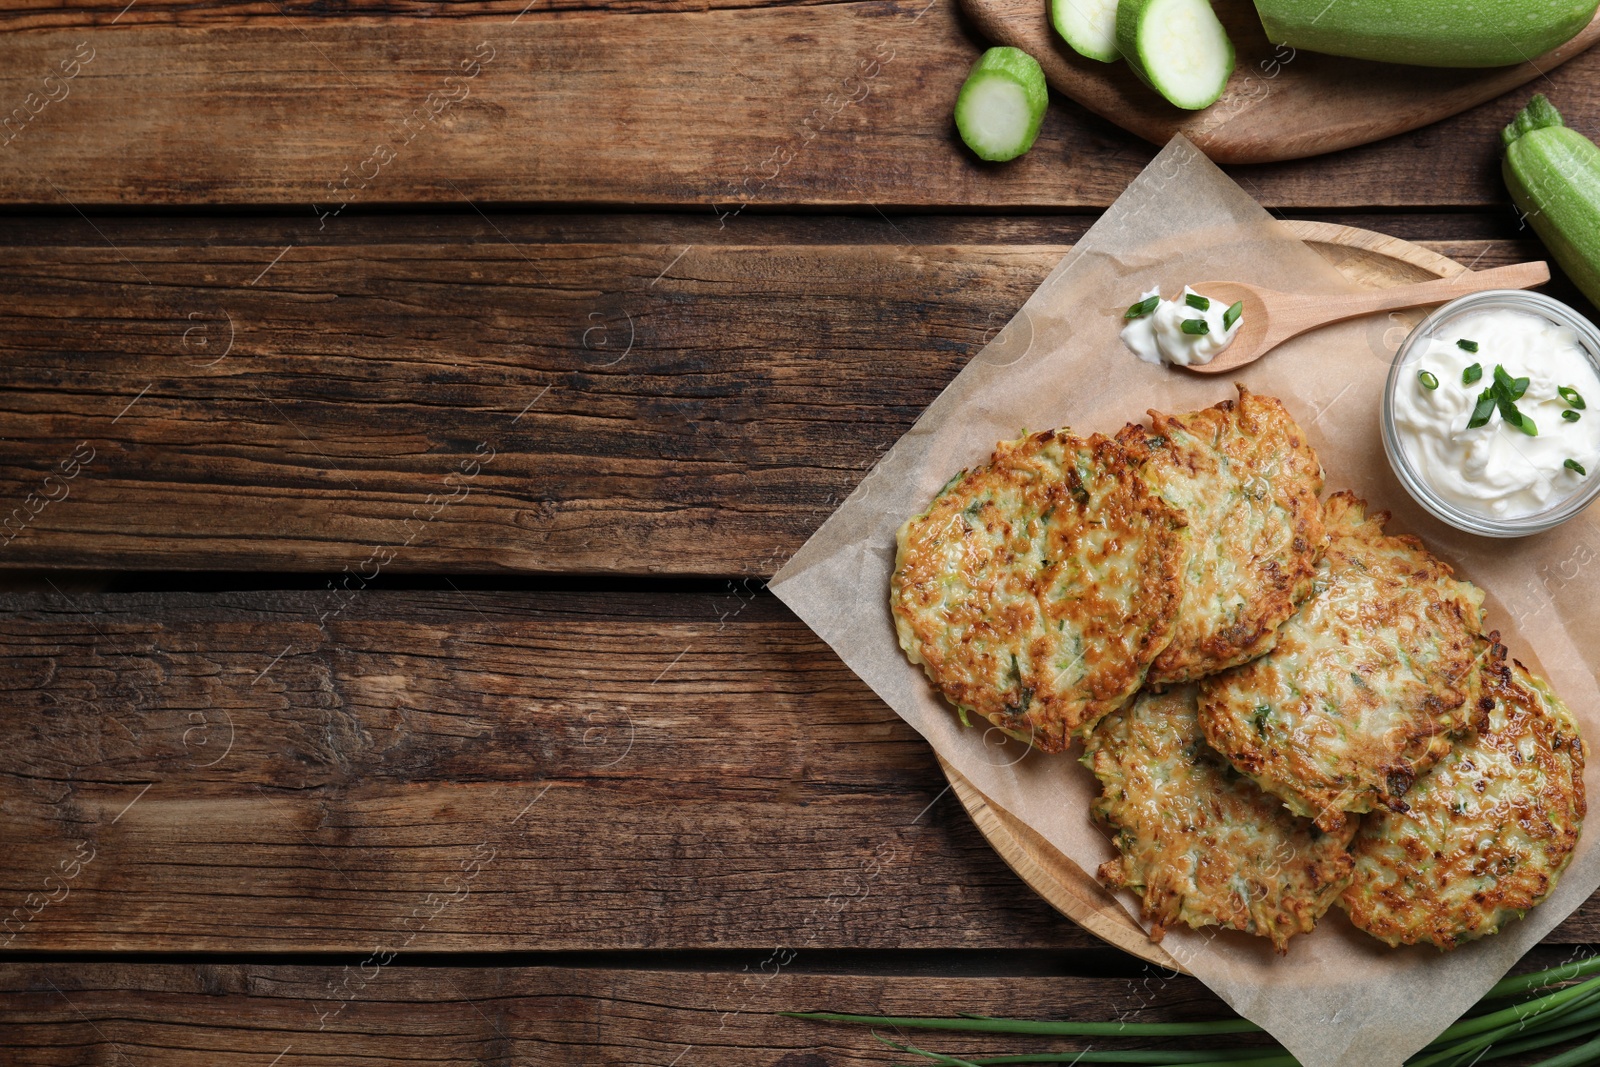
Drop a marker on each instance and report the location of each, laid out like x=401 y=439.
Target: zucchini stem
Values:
x=1540 y=114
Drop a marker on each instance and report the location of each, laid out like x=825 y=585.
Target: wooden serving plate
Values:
x=1279 y=104
x=1368 y=258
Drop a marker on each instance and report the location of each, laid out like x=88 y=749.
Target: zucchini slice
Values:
x=1089 y=26
x=1001 y=104
x=1178 y=48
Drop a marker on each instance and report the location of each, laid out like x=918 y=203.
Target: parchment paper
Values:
x=1339 y=998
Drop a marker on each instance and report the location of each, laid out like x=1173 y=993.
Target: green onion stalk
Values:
x=1551 y=1007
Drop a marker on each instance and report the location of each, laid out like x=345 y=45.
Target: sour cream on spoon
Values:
x=1187 y=330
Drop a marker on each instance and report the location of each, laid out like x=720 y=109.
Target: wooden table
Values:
x=404 y=405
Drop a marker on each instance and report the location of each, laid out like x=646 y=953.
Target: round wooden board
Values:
x=1369 y=258
x=1279 y=104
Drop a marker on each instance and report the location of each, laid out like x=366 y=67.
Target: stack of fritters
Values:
x=1368 y=682
x=1484 y=836
x=1318 y=667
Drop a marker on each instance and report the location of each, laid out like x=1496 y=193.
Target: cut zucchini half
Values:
x=1089 y=26
x=1178 y=48
x=1001 y=104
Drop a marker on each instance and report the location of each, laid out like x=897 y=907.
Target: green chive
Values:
x=1198 y=302
x=1570 y=415
x=1553 y=976
x=1143 y=307
x=1483 y=410
x=1570 y=1012
x=1231 y=316
x=1195 y=326
x=1428 y=379
x=1518 y=387
x=1526 y=424
x=1574 y=1057
x=1574 y=465
x=1472 y=374
x=1502 y=379
x=1570 y=395
x=984 y=1024
x=1466 y=345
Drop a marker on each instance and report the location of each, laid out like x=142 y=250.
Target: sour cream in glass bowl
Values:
x=1491 y=414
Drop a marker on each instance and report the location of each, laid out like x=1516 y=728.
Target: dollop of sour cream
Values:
x=1496 y=470
x=1158 y=337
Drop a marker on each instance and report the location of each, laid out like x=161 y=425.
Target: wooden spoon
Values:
x=1272 y=317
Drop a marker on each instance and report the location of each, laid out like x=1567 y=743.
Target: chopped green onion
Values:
x=1428 y=379
x=1525 y=423
x=1574 y=465
x=1198 y=302
x=1143 y=307
x=1195 y=326
x=1570 y=415
x=1231 y=316
x=1570 y=395
x=1466 y=345
x=1483 y=410
x=1513 y=387
x=1472 y=374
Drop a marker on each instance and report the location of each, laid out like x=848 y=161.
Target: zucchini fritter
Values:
x=1487 y=832
x=1243 y=476
x=1369 y=680
x=1199 y=841
x=1035 y=591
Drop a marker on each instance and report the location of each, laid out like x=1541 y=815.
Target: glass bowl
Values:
x=1552 y=310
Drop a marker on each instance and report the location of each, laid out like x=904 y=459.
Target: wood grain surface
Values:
x=471 y=770
x=244 y=1015
x=528 y=394
x=725 y=111
x=88 y=13
x=467 y=769
x=1279 y=103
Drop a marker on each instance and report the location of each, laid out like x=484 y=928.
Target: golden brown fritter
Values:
x=1243 y=477
x=1486 y=833
x=1199 y=841
x=1035 y=591
x=1368 y=683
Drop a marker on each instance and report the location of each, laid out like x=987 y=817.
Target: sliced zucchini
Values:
x=1177 y=47
x=1001 y=104
x=1089 y=26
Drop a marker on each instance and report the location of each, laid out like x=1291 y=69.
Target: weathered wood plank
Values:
x=244 y=1015
x=461 y=395
x=296 y=770
x=724 y=110
x=470 y=770
x=471 y=402
x=83 y=14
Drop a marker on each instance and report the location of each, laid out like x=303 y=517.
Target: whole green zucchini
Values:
x=1432 y=33
x=1553 y=173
